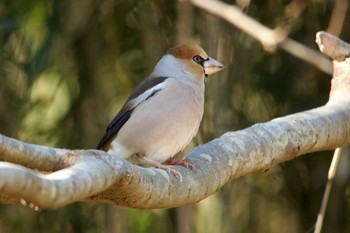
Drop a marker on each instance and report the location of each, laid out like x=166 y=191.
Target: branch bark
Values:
x=45 y=177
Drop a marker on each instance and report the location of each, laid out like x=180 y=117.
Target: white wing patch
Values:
x=147 y=94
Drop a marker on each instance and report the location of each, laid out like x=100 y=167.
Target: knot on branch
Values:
x=65 y=161
x=339 y=51
x=332 y=46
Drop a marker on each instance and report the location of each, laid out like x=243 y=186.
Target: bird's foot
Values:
x=169 y=168
x=187 y=162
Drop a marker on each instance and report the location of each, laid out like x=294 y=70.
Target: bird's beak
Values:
x=212 y=66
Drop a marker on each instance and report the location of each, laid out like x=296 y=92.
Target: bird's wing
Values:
x=145 y=90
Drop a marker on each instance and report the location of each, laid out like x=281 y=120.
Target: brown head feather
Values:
x=187 y=51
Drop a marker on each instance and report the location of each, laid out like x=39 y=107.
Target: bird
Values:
x=163 y=113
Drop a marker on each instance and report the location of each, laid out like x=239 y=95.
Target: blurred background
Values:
x=66 y=67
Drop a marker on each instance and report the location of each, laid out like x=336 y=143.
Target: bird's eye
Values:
x=198 y=59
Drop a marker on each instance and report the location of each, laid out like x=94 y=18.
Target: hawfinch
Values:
x=163 y=113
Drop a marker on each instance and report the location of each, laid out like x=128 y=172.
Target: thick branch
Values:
x=90 y=175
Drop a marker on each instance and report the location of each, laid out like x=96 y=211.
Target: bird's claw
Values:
x=187 y=162
x=169 y=168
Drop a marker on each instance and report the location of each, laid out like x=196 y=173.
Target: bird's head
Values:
x=191 y=59
x=196 y=60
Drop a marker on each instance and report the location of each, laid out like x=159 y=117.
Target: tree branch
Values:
x=90 y=175
x=270 y=39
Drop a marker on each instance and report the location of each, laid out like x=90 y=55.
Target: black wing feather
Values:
x=114 y=127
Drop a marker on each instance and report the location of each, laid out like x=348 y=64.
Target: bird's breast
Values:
x=165 y=123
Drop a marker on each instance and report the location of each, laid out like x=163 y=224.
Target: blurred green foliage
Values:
x=66 y=67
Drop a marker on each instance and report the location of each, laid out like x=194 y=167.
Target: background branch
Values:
x=326 y=195
x=269 y=38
